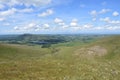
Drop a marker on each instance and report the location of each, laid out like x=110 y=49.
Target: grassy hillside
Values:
x=98 y=60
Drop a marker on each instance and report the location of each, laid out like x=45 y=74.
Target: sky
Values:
x=59 y=16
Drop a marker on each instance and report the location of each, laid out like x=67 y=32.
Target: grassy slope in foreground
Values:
x=34 y=63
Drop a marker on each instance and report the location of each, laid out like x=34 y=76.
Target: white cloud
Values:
x=2 y=19
x=37 y=29
x=32 y=26
x=83 y=27
x=103 y=11
x=46 y=13
x=46 y=26
x=14 y=10
x=8 y=12
x=26 y=2
x=74 y=23
x=106 y=19
x=93 y=13
x=14 y=2
x=77 y=28
x=61 y=23
x=87 y=26
x=27 y=27
x=16 y=28
x=114 y=22
x=93 y=27
x=58 y=20
x=113 y=28
x=98 y=28
x=115 y=13
x=36 y=2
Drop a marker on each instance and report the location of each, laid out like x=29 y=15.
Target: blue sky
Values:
x=59 y=16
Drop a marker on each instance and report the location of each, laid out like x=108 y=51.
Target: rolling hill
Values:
x=98 y=60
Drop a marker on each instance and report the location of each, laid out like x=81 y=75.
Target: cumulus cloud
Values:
x=4 y=14
x=103 y=27
x=46 y=26
x=46 y=13
x=98 y=28
x=36 y=2
x=103 y=11
x=27 y=27
x=74 y=23
x=60 y=23
x=8 y=12
x=115 y=13
x=87 y=26
x=108 y=20
x=13 y=2
x=58 y=20
x=93 y=13
x=109 y=27
x=2 y=19
x=31 y=27
x=14 y=10
x=25 y=2
x=115 y=22
x=16 y=28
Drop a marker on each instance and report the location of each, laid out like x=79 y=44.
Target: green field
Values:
x=98 y=59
